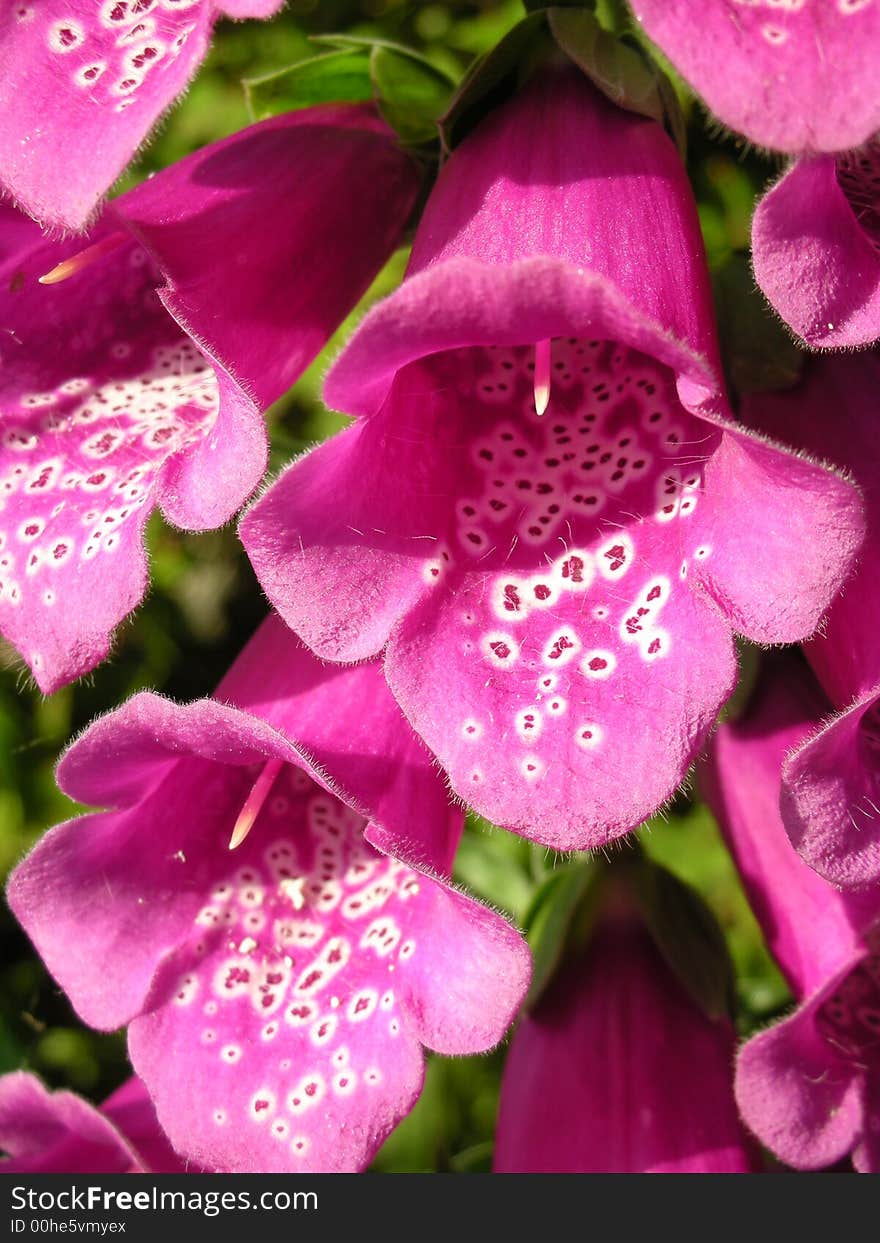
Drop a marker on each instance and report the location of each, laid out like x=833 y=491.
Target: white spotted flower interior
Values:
x=543 y=514
x=794 y=75
x=122 y=384
x=82 y=83
x=278 y=994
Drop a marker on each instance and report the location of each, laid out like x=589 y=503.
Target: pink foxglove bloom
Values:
x=618 y=1071
x=45 y=1132
x=816 y=246
x=798 y=76
x=831 y=783
x=792 y=75
x=809 y=1086
x=544 y=513
x=278 y=996
x=139 y=380
x=82 y=83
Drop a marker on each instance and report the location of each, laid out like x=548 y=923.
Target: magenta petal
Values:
x=337 y=527
x=560 y=172
x=463 y=302
x=846 y=653
x=82 y=84
x=307 y=968
x=78 y=885
x=46 y=1132
x=300 y=1026
x=130 y=414
x=545 y=483
x=151 y=404
x=617 y=1071
x=303 y=266
x=131 y=1109
x=790 y=76
x=551 y=567
x=800 y=1099
x=769 y=595
x=534 y=723
x=866 y=1154
x=811 y=927
x=352 y=737
x=816 y=263
x=831 y=796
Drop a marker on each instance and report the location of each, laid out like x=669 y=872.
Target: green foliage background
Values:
x=204 y=603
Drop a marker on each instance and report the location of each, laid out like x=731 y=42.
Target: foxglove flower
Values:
x=82 y=82
x=618 y=1071
x=816 y=246
x=277 y=997
x=792 y=75
x=831 y=782
x=544 y=511
x=139 y=380
x=809 y=1086
x=59 y=1133
x=800 y=78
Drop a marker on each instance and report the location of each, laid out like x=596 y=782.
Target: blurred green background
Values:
x=205 y=602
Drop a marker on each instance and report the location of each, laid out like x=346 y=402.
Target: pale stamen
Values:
x=542 y=376
x=254 y=802
x=85 y=258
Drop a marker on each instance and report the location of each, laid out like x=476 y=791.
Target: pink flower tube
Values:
x=277 y=997
x=809 y=1086
x=618 y=1071
x=543 y=513
x=831 y=781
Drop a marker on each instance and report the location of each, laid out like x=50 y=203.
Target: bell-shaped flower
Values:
x=45 y=1132
x=278 y=996
x=544 y=513
x=809 y=1086
x=82 y=82
x=618 y=1071
x=138 y=376
x=816 y=247
x=791 y=75
x=831 y=782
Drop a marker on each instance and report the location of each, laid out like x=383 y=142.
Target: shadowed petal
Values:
x=816 y=251
x=801 y=1100
x=810 y=926
x=46 y=1132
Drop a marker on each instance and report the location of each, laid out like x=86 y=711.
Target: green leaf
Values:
x=410 y=92
x=369 y=42
x=333 y=77
x=620 y=71
x=493 y=77
x=561 y=908
x=759 y=355
x=688 y=936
